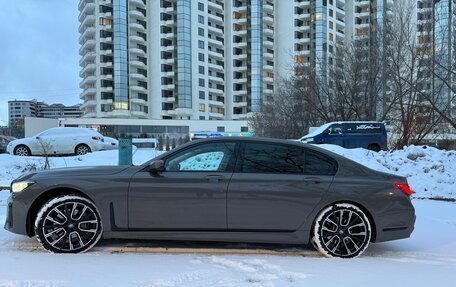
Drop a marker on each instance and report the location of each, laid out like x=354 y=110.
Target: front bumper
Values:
x=16 y=217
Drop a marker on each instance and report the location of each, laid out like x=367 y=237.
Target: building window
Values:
x=202 y=83
x=202 y=107
x=202 y=95
x=200 y=6
x=201 y=57
x=201 y=70
x=202 y=118
x=200 y=44
x=244 y=129
x=200 y=19
x=201 y=32
x=221 y=129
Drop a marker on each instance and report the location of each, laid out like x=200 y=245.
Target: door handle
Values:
x=215 y=178
x=315 y=180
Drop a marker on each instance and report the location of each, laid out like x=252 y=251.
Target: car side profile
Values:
x=58 y=141
x=219 y=189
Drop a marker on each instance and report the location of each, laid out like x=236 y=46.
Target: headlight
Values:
x=21 y=185
x=307 y=140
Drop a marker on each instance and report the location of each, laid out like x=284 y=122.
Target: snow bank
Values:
x=431 y=172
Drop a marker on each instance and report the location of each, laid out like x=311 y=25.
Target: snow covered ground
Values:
x=428 y=258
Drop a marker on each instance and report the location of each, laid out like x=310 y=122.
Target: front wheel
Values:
x=68 y=224
x=22 y=150
x=341 y=230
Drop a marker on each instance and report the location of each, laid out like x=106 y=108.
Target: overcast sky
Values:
x=39 y=52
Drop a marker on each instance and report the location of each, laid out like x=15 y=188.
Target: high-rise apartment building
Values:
x=207 y=59
x=176 y=59
x=308 y=33
x=436 y=32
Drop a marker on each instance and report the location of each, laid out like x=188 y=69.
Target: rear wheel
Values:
x=82 y=149
x=341 y=230
x=68 y=224
x=22 y=150
x=374 y=147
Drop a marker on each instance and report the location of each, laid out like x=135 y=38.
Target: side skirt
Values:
x=298 y=237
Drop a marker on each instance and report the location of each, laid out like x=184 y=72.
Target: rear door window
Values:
x=319 y=164
x=272 y=158
x=279 y=158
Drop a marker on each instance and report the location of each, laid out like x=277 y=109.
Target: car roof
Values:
x=267 y=140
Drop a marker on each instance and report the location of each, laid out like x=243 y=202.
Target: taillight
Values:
x=405 y=188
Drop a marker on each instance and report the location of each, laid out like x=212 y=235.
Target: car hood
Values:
x=79 y=171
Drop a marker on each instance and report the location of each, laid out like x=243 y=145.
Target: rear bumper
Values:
x=398 y=224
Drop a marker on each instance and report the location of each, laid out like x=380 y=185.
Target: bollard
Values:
x=125 y=152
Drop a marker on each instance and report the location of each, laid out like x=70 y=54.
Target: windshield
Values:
x=317 y=131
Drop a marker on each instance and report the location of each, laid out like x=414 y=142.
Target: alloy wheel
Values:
x=21 y=151
x=68 y=225
x=82 y=150
x=342 y=231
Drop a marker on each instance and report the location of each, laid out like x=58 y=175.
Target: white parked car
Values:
x=58 y=141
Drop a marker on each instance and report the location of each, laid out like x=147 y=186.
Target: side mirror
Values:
x=156 y=166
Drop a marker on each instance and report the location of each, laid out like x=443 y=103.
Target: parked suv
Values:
x=369 y=135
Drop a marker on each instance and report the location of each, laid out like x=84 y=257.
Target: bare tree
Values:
x=411 y=120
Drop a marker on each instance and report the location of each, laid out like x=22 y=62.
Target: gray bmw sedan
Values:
x=221 y=189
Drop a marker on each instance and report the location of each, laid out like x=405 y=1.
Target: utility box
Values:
x=125 y=152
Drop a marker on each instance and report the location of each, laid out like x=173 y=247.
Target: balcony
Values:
x=87 y=104
x=138 y=64
x=87 y=57
x=87 y=81
x=139 y=3
x=215 y=55
x=89 y=33
x=215 y=6
x=138 y=76
x=139 y=101
x=137 y=27
x=88 y=9
x=138 y=51
x=88 y=46
x=216 y=43
x=89 y=21
x=137 y=39
x=90 y=68
x=84 y=3
x=135 y=14
x=88 y=92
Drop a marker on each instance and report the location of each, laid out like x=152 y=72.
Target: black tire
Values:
x=22 y=150
x=374 y=147
x=82 y=149
x=341 y=230
x=68 y=224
